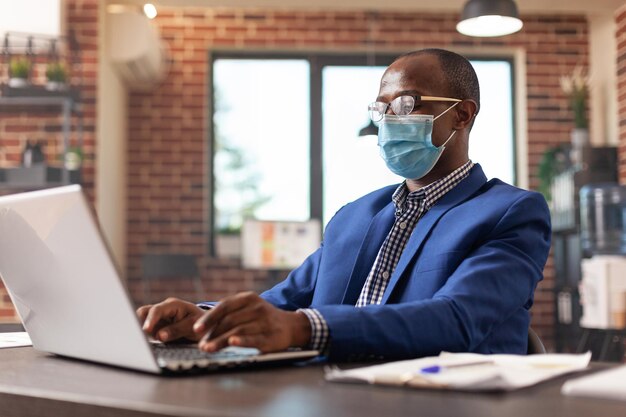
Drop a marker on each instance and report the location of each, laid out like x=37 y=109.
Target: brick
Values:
x=7 y=312
x=166 y=127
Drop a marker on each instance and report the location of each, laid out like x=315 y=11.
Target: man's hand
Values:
x=170 y=320
x=246 y=319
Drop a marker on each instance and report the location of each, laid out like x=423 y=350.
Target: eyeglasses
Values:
x=402 y=105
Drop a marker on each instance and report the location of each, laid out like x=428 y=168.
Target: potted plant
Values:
x=56 y=75
x=73 y=158
x=19 y=71
x=576 y=87
x=554 y=161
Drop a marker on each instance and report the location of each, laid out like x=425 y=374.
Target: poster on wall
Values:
x=278 y=244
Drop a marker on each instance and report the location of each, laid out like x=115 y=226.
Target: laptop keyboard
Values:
x=187 y=357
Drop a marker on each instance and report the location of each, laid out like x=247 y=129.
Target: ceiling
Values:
x=525 y=6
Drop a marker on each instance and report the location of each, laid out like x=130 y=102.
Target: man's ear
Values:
x=465 y=113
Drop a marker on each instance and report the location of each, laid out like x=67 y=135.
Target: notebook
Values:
x=609 y=384
x=471 y=372
x=69 y=295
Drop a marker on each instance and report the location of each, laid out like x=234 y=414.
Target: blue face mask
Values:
x=406 y=144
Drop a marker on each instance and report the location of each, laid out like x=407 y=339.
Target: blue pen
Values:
x=435 y=369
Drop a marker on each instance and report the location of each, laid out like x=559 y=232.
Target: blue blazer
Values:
x=464 y=283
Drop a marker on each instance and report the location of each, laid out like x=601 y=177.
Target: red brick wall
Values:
x=620 y=35
x=168 y=154
x=168 y=146
x=17 y=126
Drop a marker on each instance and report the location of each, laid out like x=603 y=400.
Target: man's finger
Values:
x=209 y=344
x=237 y=318
x=178 y=330
x=164 y=311
x=142 y=312
x=258 y=341
x=227 y=306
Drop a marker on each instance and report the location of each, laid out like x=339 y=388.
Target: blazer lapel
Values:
x=464 y=190
x=377 y=232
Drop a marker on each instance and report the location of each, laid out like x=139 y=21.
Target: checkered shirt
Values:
x=410 y=207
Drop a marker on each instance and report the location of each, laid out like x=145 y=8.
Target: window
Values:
x=352 y=164
x=492 y=141
x=261 y=141
x=285 y=134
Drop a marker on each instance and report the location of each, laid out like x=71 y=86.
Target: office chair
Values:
x=172 y=267
x=534 y=343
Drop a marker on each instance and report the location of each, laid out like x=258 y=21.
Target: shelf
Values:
x=36 y=177
x=37 y=97
x=599 y=165
x=20 y=99
x=38 y=91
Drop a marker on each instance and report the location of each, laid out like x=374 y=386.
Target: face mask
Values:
x=406 y=144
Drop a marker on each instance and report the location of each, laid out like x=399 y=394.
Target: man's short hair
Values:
x=458 y=73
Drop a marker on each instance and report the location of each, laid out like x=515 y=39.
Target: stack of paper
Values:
x=604 y=384
x=466 y=371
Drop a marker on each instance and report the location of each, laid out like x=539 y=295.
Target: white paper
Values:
x=610 y=383
x=502 y=373
x=15 y=339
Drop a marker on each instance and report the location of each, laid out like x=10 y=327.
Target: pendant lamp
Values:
x=487 y=18
x=370 y=130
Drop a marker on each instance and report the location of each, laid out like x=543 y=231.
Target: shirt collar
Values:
x=433 y=191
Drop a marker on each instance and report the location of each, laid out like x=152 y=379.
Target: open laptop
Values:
x=69 y=295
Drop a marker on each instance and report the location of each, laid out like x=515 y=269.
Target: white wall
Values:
x=111 y=155
x=603 y=70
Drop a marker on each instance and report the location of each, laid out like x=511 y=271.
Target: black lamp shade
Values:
x=484 y=18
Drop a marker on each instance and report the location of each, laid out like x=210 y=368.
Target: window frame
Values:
x=514 y=111
x=317 y=62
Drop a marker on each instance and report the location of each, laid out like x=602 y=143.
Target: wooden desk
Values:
x=36 y=384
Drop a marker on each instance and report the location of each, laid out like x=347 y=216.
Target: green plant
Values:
x=73 y=157
x=554 y=161
x=576 y=86
x=19 y=68
x=56 y=72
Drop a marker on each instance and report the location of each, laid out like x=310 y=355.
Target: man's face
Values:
x=420 y=75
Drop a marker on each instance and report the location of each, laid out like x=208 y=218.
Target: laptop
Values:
x=70 y=297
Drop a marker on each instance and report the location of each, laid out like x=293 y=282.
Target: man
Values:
x=445 y=261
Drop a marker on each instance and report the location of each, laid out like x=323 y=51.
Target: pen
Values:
x=438 y=368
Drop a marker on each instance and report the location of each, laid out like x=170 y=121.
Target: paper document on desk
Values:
x=14 y=339
x=610 y=384
x=466 y=371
